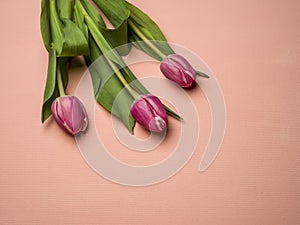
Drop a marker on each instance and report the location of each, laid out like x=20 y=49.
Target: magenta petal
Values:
x=57 y=114
x=77 y=115
x=178 y=69
x=70 y=114
x=148 y=111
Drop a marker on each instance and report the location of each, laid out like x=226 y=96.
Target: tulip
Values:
x=69 y=113
x=149 y=112
x=178 y=69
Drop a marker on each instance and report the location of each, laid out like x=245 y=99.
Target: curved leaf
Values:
x=115 y=11
x=45 y=24
x=50 y=85
x=51 y=90
x=108 y=89
x=65 y=9
x=118 y=14
x=143 y=28
x=58 y=30
x=75 y=43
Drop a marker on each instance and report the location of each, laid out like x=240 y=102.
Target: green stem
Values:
x=131 y=91
x=60 y=82
x=145 y=39
x=105 y=47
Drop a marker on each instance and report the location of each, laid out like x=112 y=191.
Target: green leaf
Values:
x=45 y=24
x=115 y=11
x=65 y=9
x=142 y=28
x=59 y=31
x=108 y=89
x=51 y=75
x=78 y=18
x=51 y=90
x=118 y=37
x=171 y=113
x=85 y=7
x=133 y=81
x=147 y=46
x=102 y=43
x=118 y=14
x=201 y=74
x=118 y=101
x=75 y=42
x=56 y=29
x=93 y=22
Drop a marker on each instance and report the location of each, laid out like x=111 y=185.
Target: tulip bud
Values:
x=148 y=111
x=178 y=69
x=70 y=115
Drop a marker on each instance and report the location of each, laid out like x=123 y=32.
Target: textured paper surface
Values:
x=253 y=49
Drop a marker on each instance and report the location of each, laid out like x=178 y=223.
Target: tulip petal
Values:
x=177 y=68
x=69 y=113
x=149 y=112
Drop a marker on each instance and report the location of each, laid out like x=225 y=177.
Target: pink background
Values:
x=253 y=48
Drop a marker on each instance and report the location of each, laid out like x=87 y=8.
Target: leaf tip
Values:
x=201 y=74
